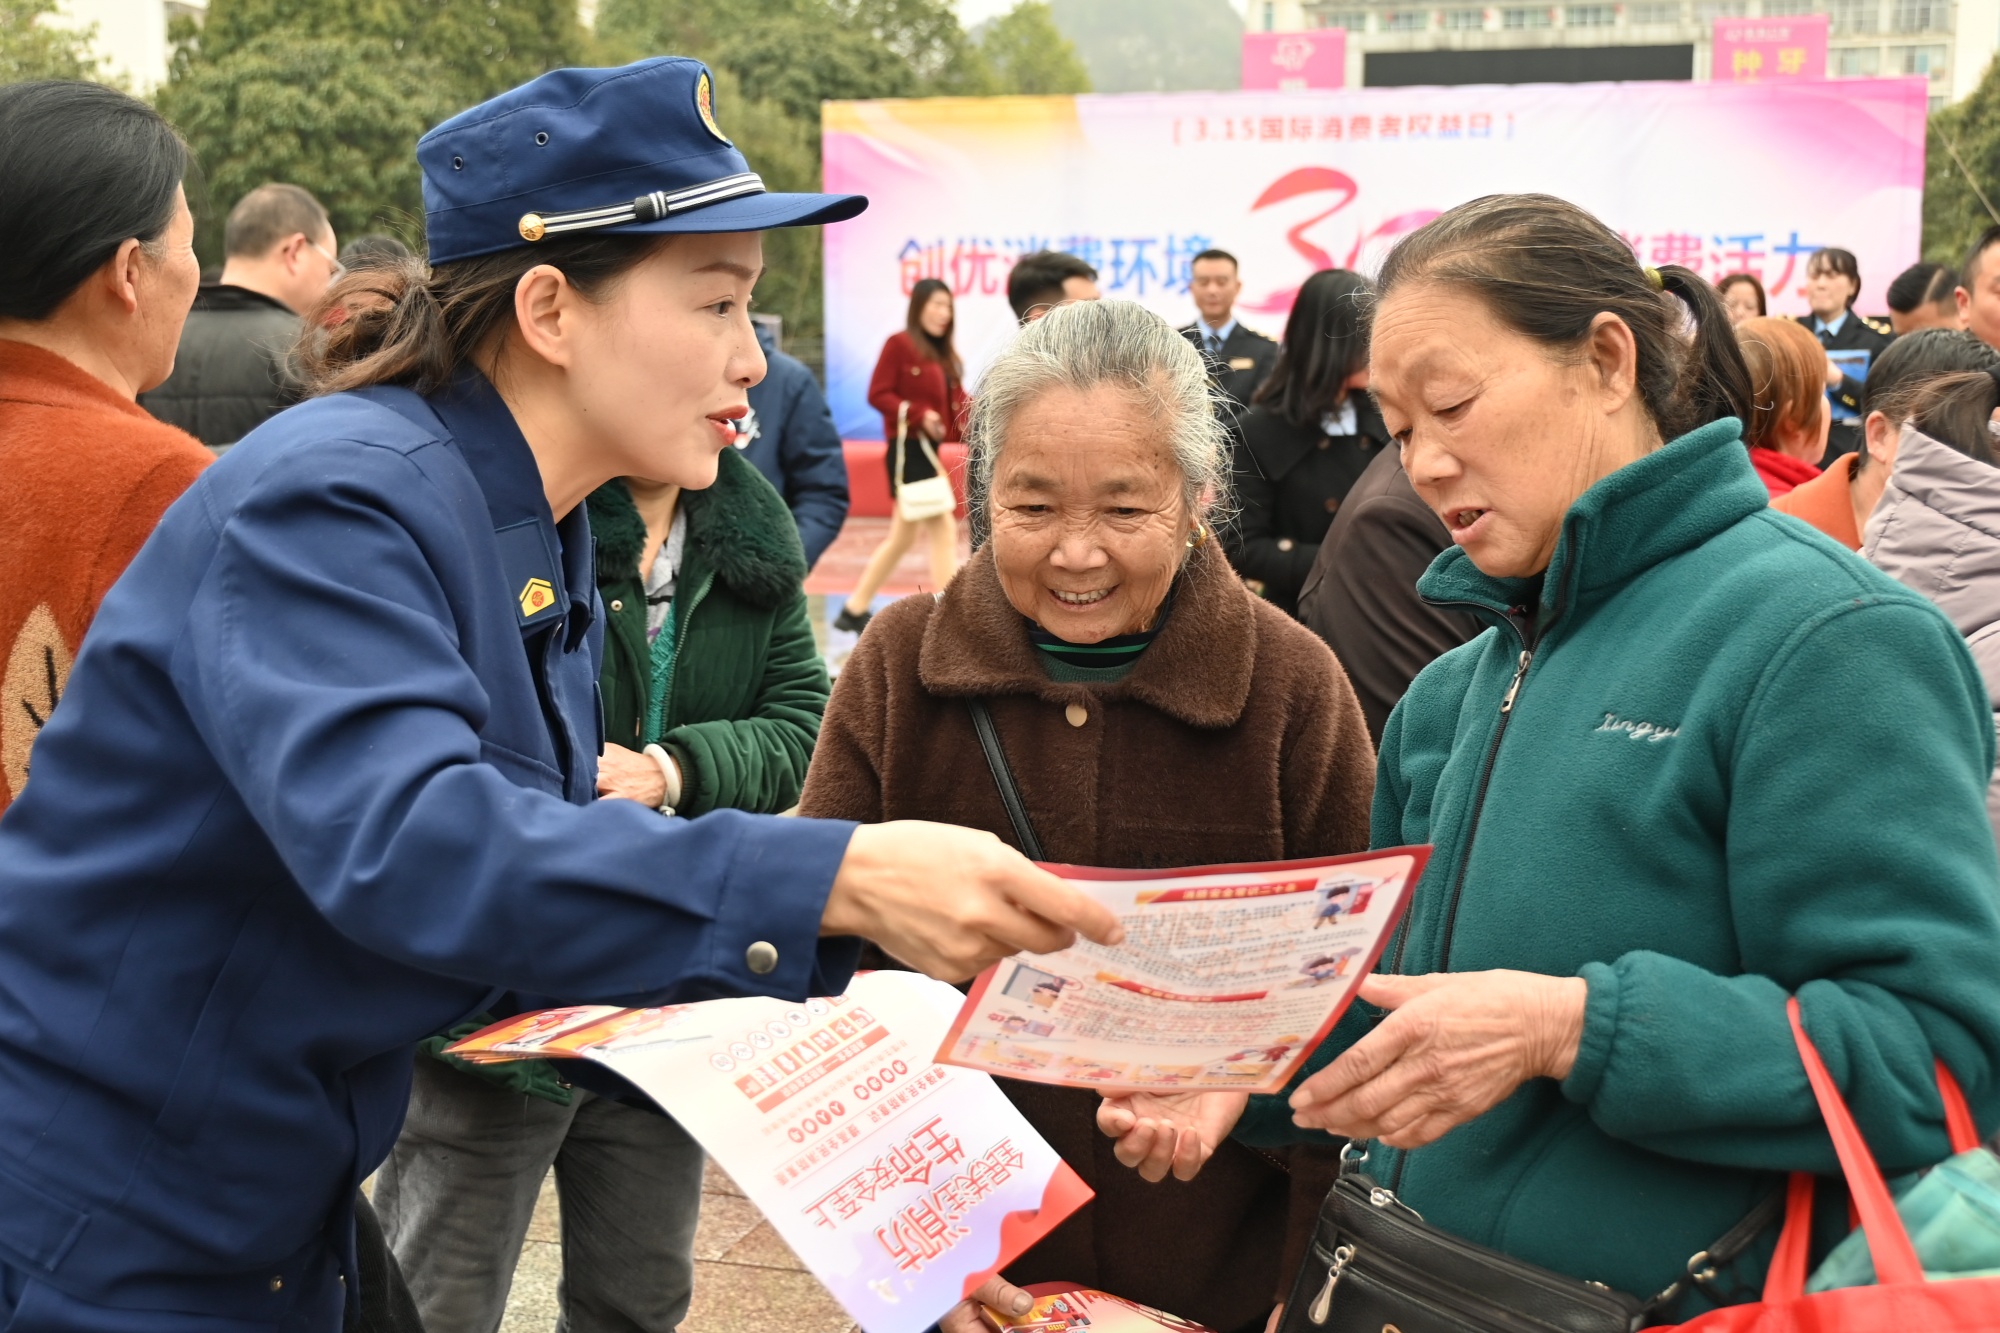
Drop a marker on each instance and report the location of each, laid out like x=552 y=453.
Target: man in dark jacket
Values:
x=789 y=436
x=234 y=365
x=1238 y=358
x=1361 y=596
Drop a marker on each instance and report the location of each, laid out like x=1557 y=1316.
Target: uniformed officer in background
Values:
x=1833 y=280
x=1239 y=358
x=322 y=782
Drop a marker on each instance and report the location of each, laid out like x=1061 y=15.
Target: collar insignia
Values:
x=537 y=595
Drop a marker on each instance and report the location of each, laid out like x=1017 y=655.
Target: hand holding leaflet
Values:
x=1228 y=978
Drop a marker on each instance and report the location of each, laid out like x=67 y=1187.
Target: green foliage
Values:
x=338 y=115
x=473 y=48
x=1954 y=213
x=1143 y=46
x=1026 y=53
x=31 y=49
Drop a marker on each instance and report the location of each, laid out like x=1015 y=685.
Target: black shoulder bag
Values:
x=1376 y=1265
x=1003 y=778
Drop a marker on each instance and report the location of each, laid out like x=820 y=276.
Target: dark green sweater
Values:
x=1741 y=765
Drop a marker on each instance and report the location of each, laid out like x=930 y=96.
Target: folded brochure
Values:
x=1229 y=976
x=902 y=1184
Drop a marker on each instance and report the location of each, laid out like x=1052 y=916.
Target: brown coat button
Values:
x=1077 y=714
x=1331 y=504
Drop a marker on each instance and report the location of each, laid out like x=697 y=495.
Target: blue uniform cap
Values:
x=633 y=150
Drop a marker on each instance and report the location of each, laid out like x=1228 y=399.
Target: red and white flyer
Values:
x=1229 y=976
x=902 y=1184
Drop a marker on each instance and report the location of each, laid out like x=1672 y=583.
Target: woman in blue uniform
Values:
x=322 y=783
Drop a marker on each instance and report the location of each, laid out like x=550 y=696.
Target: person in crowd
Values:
x=789 y=436
x=1839 y=500
x=1361 y=593
x=1131 y=679
x=1041 y=281
x=1937 y=529
x=1923 y=296
x=1239 y=358
x=1978 y=293
x=713 y=690
x=1789 y=411
x=373 y=249
x=342 y=712
x=1308 y=436
x=97 y=269
x=1606 y=1083
x=235 y=366
x=1833 y=281
x=918 y=388
x=1742 y=297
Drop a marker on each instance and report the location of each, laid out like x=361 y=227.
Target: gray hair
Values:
x=1120 y=343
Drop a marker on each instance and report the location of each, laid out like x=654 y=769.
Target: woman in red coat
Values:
x=916 y=389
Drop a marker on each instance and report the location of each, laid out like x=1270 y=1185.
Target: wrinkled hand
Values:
x=627 y=775
x=1172 y=1131
x=997 y=1292
x=950 y=900
x=1456 y=1045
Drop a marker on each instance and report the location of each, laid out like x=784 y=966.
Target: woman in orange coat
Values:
x=916 y=387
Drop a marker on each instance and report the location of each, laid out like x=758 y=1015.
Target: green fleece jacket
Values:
x=749 y=685
x=1740 y=764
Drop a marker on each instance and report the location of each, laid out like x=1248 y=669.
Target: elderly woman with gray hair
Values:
x=1153 y=712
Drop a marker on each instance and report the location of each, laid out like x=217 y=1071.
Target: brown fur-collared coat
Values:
x=1236 y=737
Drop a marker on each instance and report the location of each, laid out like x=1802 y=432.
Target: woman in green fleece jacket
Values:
x=1652 y=824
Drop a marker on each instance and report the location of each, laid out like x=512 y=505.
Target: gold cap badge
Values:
x=704 y=102
x=537 y=596
x=532 y=228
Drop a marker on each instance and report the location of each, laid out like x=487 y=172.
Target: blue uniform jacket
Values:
x=305 y=802
x=794 y=444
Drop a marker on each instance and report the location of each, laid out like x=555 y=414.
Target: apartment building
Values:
x=1406 y=42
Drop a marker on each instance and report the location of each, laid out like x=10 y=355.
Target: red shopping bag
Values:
x=1903 y=1299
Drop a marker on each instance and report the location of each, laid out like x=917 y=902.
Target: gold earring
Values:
x=1197 y=538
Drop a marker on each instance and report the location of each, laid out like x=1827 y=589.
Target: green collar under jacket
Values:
x=1709 y=760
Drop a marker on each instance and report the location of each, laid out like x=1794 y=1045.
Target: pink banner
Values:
x=1778 y=50
x=1720 y=177
x=1293 y=61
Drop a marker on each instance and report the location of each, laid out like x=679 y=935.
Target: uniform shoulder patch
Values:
x=704 y=104
x=1881 y=326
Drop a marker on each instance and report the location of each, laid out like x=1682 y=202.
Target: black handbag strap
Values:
x=1003 y=778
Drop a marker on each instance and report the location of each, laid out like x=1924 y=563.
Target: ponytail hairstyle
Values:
x=404 y=322
x=1957 y=410
x=1547 y=268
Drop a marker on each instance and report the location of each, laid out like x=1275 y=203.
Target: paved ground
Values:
x=745 y=1281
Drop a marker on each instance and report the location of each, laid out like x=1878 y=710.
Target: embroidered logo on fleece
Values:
x=1651 y=732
